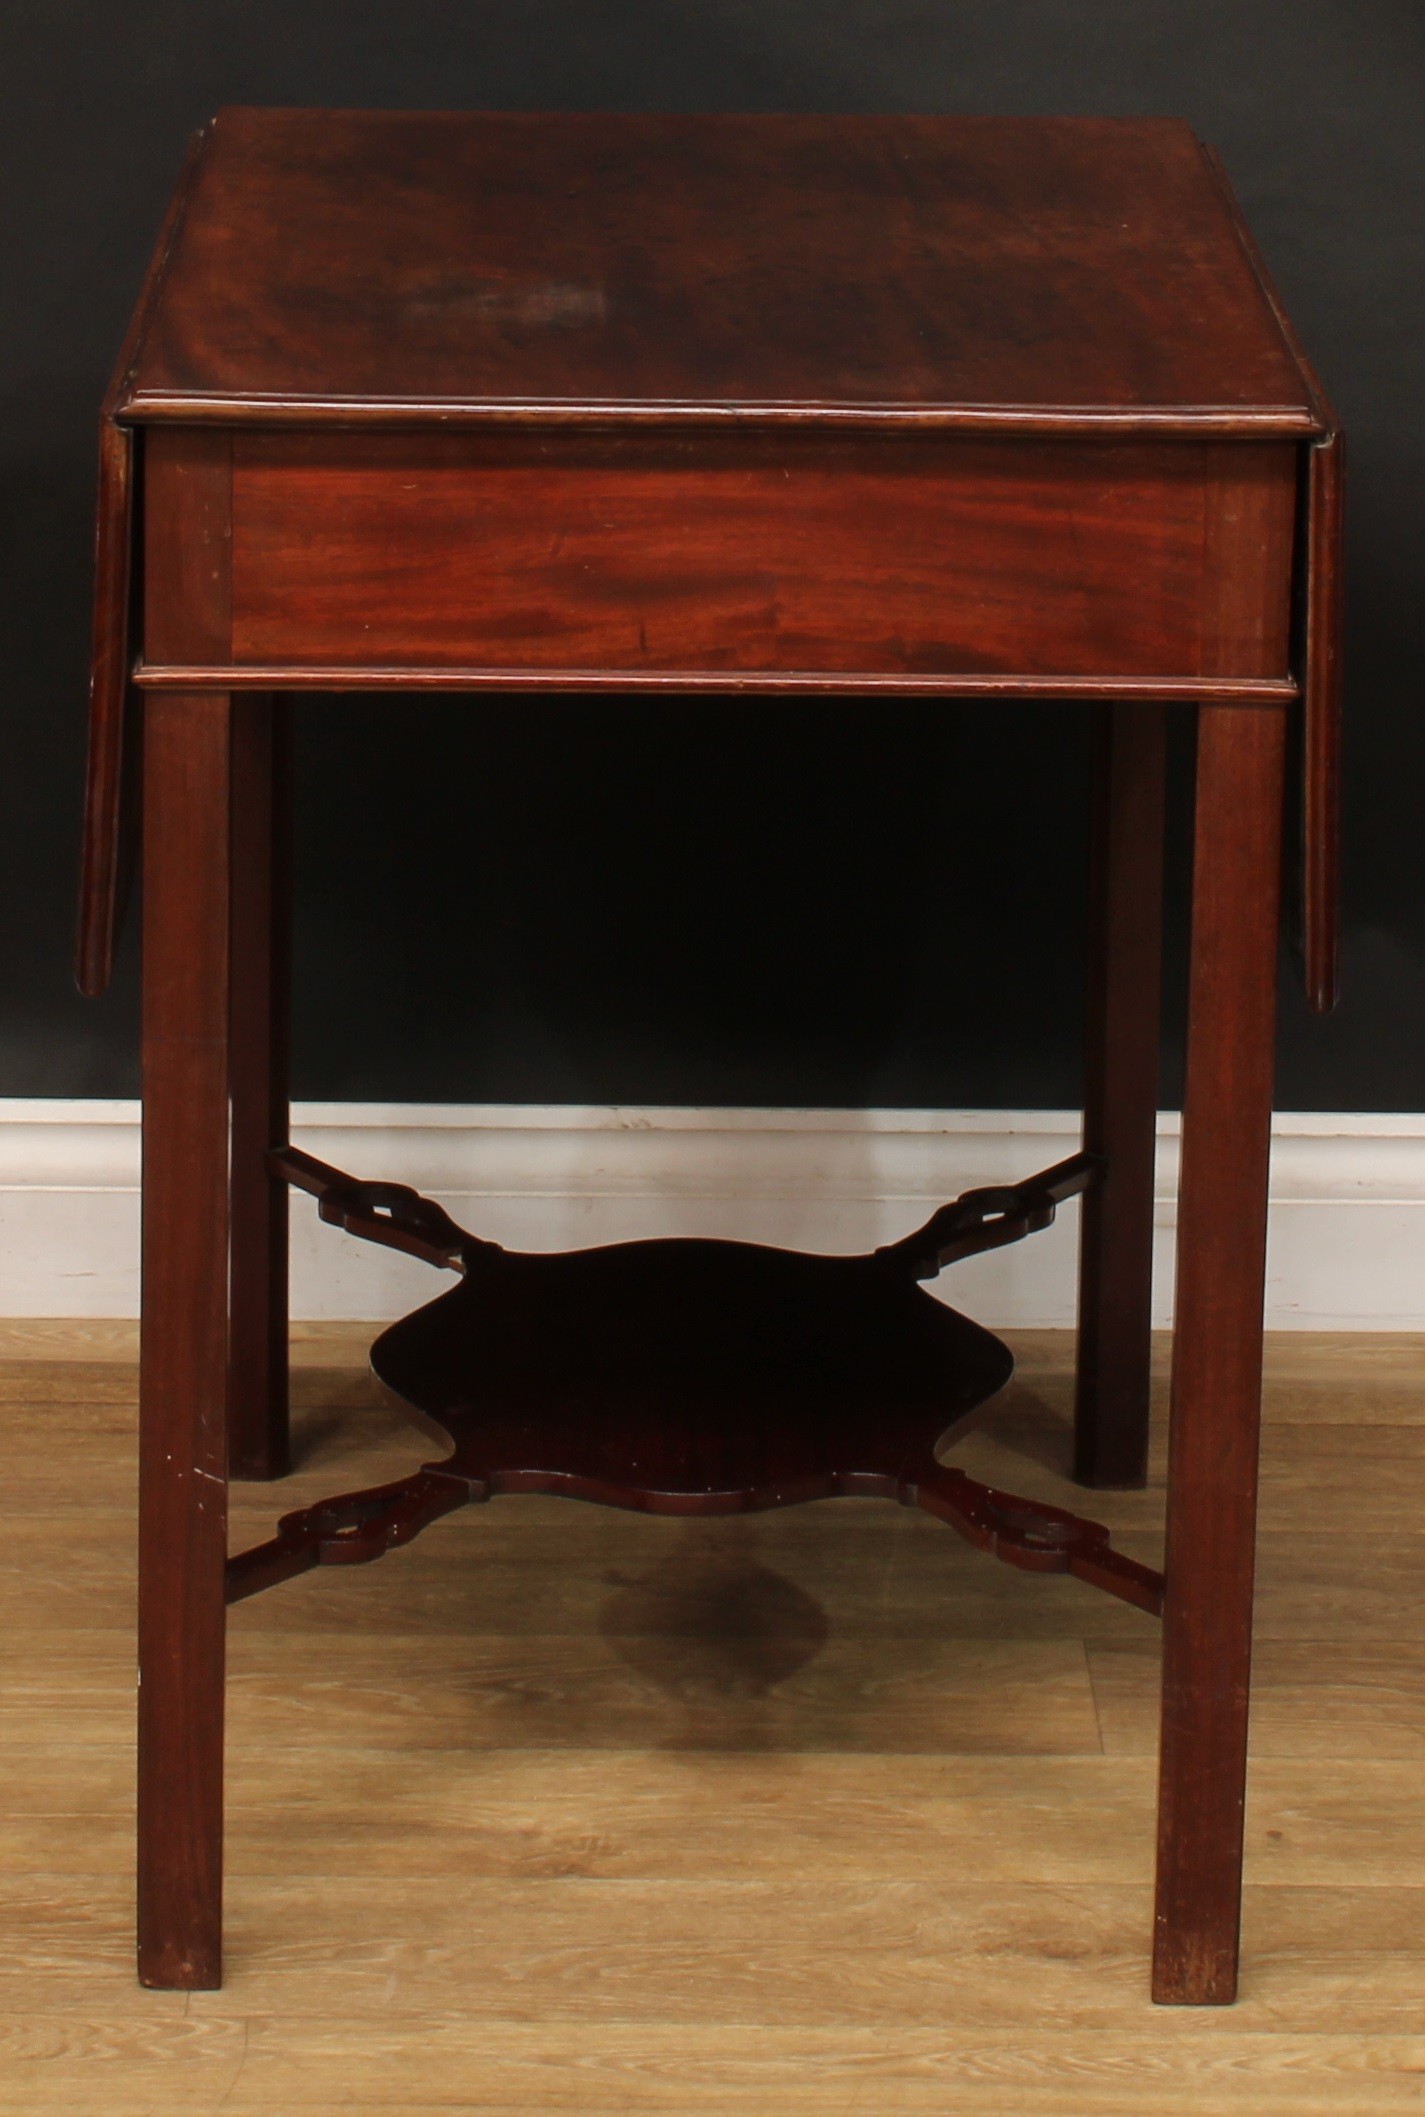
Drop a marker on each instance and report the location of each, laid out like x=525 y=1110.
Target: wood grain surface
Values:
x=1122 y=1035
x=708 y=553
x=562 y=1810
x=184 y=1352
x=385 y=263
x=832 y=275
x=260 y=980
x=1217 y=1352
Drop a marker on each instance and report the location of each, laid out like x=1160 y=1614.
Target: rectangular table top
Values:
x=1052 y=273
x=492 y=281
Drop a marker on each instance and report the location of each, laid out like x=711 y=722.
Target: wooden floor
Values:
x=566 y=1810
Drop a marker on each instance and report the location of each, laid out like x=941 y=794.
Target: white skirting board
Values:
x=1346 y=1249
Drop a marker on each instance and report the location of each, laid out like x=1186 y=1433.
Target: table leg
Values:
x=184 y=1357
x=260 y=979
x=1121 y=1098
x=1217 y=1352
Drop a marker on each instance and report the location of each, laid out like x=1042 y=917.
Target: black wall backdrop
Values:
x=710 y=902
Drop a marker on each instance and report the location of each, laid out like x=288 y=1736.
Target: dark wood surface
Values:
x=188 y=613
x=109 y=833
x=110 y=809
x=184 y=1357
x=1024 y=276
x=187 y=600
x=261 y=920
x=1064 y=268
x=1320 y=588
x=1217 y=1353
x=984 y=406
x=691 y=1378
x=1322 y=605
x=1122 y=1036
x=697 y=1377
x=762 y=553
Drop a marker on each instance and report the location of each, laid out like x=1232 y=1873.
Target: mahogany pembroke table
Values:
x=965 y=407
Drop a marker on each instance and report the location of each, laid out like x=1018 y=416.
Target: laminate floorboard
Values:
x=813 y=1812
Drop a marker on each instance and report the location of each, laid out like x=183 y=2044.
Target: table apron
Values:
x=1154 y=568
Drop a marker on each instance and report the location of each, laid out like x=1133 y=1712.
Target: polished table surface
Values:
x=783 y=404
x=505 y=304
x=330 y=266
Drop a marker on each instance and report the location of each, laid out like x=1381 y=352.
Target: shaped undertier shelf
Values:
x=691 y=1377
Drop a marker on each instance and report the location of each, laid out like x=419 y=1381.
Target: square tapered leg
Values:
x=184 y=1358
x=1217 y=1352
